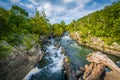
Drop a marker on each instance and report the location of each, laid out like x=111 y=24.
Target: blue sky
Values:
x=58 y=10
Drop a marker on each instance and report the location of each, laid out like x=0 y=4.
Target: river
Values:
x=51 y=67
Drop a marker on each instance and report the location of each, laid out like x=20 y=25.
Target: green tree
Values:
x=17 y=15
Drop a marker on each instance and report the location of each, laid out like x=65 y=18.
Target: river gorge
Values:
x=55 y=50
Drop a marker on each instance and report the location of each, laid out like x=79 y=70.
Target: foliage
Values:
x=16 y=27
x=59 y=29
x=104 y=23
x=5 y=49
x=29 y=40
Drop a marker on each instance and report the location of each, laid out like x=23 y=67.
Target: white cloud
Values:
x=15 y=1
x=68 y=1
x=48 y=8
x=82 y=3
x=57 y=13
x=60 y=9
x=40 y=9
x=29 y=6
x=63 y=13
x=34 y=2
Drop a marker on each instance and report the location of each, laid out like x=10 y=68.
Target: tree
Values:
x=40 y=24
x=17 y=15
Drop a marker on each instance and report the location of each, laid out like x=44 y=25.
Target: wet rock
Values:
x=40 y=57
x=118 y=62
x=51 y=35
x=79 y=79
x=63 y=50
x=69 y=71
x=79 y=73
x=57 y=45
x=82 y=69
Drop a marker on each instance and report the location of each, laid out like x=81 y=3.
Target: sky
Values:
x=58 y=10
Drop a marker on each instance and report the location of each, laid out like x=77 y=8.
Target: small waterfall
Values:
x=56 y=59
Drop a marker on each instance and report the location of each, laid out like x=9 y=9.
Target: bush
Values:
x=29 y=40
x=5 y=49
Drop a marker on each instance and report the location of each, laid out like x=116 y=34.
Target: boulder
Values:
x=68 y=69
x=98 y=63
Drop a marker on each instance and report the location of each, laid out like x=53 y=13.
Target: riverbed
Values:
x=51 y=67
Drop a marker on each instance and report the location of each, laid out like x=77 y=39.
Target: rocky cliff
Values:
x=19 y=62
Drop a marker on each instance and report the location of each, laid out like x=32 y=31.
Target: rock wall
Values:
x=19 y=63
x=97 y=43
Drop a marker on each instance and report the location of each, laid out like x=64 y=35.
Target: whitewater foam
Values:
x=56 y=65
x=32 y=72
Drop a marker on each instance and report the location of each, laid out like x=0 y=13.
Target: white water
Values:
x=66 y=38
x=56 y=57
x=33 y=71
x=55 y=66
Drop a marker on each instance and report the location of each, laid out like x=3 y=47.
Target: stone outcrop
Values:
x=97 y=67
x=19 y=62
x=98 y=44
x=68 y=70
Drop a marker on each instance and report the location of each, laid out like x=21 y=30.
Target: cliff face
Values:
x=19 y=63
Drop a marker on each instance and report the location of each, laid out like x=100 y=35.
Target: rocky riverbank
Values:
x=19 y=62
x=98 y=44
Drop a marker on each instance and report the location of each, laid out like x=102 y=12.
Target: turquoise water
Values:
x=76 y=53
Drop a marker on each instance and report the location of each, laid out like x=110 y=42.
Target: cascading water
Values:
x=53 y=70
x=51 y=67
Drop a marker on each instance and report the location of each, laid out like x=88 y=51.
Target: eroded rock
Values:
x=19 y=63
